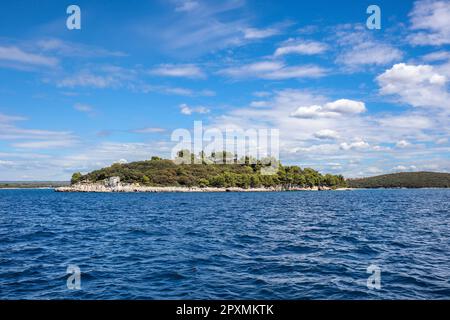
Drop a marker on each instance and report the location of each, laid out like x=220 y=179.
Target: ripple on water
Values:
x=296 y=245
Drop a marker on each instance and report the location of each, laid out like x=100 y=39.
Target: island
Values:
x=421 y=179
x=219 y=172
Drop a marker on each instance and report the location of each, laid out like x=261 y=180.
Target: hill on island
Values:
x=403 y=180
x=245 y=174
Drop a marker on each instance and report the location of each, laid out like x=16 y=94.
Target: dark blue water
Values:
x=299 y=245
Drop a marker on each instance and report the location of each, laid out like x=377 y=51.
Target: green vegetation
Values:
x=404 y=180
x=211 y=172
x=76 y=177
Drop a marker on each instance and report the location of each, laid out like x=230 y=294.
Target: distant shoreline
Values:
x=140 y=189
x=217 y=190
x=21 y=188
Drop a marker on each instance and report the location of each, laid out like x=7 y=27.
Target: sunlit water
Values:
x=297 y=245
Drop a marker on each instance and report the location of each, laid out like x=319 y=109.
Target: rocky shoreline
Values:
x=94 y=187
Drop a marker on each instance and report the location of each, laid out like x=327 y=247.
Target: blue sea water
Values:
x=293 y=245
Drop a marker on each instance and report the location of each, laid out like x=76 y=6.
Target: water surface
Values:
x=293 y=245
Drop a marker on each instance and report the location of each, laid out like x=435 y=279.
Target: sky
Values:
x=347 y=99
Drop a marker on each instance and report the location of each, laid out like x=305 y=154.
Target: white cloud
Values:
x=32 y=138
x=301 y=47
x=17 y=55
x=6 y=118
x=179 y=91
x=406 y=121
x=187 y=110
x=88 y=79
x=359 y=48
x=258 y=104
x=274 y=70
x=354 y=145
x=72 y=49
x=419 y=86
x=326 y=134
x=149 y=130
x=253 y=33
x=402 y=144
x=178 y=70
x=312 y=112
x=437 y=56
x=346 y=106
x=186 y=6
x=46 y=144
x=402 y=168
x=431 y=20
x=330 y=109
x=197 y=27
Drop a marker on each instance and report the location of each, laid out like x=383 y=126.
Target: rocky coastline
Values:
x=113 y=184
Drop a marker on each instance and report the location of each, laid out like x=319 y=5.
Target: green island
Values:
x=214 y=171
x=403 y=180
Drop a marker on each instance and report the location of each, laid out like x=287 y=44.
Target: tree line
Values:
x=217 y=170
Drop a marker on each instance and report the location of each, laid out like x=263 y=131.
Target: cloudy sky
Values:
x=346 y=99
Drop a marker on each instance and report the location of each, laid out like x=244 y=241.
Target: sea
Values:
x=354 y=244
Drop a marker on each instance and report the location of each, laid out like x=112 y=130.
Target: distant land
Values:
x=403 y=180
x=32 y=184
x=165 y=173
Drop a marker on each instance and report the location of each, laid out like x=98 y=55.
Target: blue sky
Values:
x=346 y=99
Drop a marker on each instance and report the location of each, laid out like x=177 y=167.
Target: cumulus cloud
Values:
x=326 y=134
x=431 y=21
x=417 y=85
x=354 y=145
x=331 y=109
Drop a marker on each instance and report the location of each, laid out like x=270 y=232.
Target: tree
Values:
x=203 y=183
x=217 y=181
x=145 y=180
x=76 y=177
x=255 y=182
